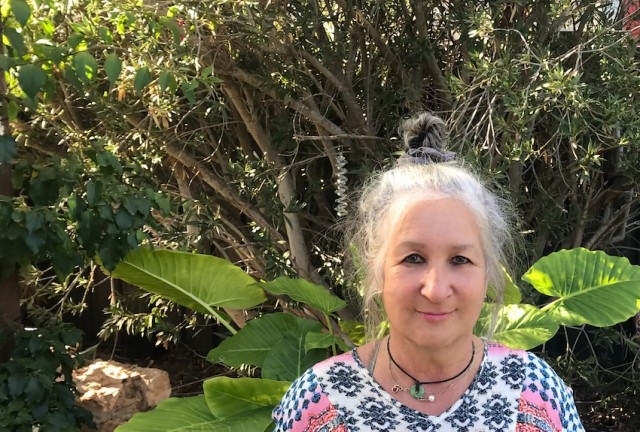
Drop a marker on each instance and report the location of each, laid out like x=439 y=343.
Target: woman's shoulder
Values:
x=305 y=405
x=544 y=397
x=344 y=358
x=532 y=367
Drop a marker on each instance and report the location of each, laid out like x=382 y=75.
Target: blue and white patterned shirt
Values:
x=513 y=390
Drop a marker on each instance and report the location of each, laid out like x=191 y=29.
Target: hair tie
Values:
x=427 y=155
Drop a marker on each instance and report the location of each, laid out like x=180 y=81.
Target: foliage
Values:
x=580 y=285
x=543 y=111
x=78 y=196
x=36 y=385
x=259 y=118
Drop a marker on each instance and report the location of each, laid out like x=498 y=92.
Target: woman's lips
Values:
x=434 y=316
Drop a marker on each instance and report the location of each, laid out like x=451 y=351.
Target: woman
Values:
x=431 y=238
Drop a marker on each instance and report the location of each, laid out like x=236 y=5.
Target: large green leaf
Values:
x=198 y=282
x=511 y=293
x=174 y=414
x=589 y=287
x=323 y=340
x=305 y=292
x=229 y=397
x=193 y=415
x=289 y=358
x=523 y=326
x=254 y=341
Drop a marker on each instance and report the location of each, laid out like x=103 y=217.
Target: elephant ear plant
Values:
x=581 y=287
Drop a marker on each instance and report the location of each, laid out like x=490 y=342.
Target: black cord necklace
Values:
x=417 y=391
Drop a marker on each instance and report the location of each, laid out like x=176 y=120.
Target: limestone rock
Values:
x=114 y=391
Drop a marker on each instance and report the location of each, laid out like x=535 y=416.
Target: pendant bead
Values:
x=431 y=398
x=417 y=391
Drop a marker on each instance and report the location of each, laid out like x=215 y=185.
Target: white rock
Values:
x=114 y=391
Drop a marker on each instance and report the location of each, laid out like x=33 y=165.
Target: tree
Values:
x=259 y=118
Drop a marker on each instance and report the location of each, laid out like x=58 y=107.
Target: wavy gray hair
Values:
x=423 y=175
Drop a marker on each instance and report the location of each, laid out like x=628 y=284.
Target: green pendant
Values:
x=416 y=391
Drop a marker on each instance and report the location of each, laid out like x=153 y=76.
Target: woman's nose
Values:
x=436 y=284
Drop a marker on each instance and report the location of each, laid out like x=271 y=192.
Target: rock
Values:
x=114 y=391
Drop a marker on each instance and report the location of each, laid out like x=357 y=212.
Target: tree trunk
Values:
x=9 y=289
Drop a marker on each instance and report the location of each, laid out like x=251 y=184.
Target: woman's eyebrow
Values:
x=411 y=244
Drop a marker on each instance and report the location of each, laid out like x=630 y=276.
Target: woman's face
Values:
x=434 y=278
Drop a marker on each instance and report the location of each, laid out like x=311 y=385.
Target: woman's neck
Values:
x=428 y=363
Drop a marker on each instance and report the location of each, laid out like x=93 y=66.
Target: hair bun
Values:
x=424 y=135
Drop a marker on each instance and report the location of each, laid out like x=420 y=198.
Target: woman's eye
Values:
x=459 y=260
x=414 y=259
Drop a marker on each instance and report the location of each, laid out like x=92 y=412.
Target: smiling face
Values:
x=434 y=274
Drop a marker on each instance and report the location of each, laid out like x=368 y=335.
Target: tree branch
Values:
x=222 y=189
x=286 y=190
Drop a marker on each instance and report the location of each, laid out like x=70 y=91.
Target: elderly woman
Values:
x=432 y=238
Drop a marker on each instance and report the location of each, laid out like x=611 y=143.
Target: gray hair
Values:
x=426 y=172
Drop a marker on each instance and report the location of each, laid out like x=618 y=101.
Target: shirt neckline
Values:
x=364 y=371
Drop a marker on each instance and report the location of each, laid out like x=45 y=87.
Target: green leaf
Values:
x=111 y=251
x=123 y=219
x=306 y=292
x=31 y=78
x=86 y=66
x=142 y=78
x=16 y=382
x=189 y=414
x=45 y=49
x=15 y=40
x=6 y=62
x=105 y=35
x=113 y=67
x=34 y=220
x=288 y=359
x=355 y=330
x=323 y=340
x=13 y=109
x=75 y=40
x=33 y=391
x=47 y=26
x=45 y=188
x=188 y=90
x=511 y=293
x=35 y=240
x=8 y=149
x=252 y=343
x=167 y=81
x=229 y=397
x=198 y=282
x=64 y=262
x=587 y=287
x=523 y=326
x=21 y=11
x=94 y=191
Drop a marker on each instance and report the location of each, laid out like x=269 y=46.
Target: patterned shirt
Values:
x=513 y=391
